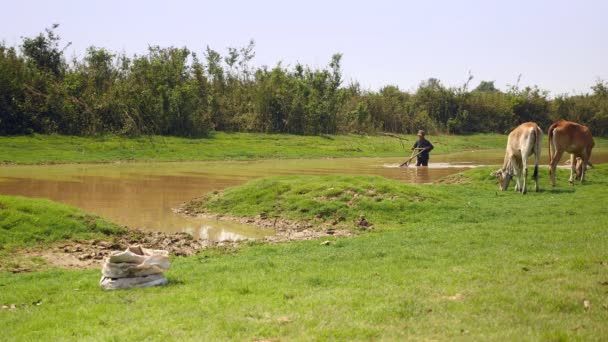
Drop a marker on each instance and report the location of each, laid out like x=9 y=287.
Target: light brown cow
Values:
x=523 y=141
x=567 y=136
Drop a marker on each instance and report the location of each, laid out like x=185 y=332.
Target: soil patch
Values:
x=82 y=254
x=454 y=179
x=284 y=230
x=90 y=253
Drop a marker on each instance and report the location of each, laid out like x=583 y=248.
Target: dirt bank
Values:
x=284 y=230
x=90 y=253
x=82 y=254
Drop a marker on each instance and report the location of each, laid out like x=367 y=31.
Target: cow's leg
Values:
x=516 y=172
x=524 y=165
x=584 y=167
x=535 y=174
x=553 y=164
x=572 y=168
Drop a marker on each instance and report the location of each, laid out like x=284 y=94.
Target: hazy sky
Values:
x=561 y=46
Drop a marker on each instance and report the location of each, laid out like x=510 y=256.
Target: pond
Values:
x=142 y=195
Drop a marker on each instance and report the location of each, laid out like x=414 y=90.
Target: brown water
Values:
x=141 y=195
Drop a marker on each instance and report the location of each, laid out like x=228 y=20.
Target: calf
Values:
x=523 y=141
x=567 y=136
x=579 y=167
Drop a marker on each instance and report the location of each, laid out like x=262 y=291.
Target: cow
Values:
x=576 y=139
x=523 y=141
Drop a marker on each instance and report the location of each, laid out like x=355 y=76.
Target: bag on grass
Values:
x=127 y=283
x=135 y=267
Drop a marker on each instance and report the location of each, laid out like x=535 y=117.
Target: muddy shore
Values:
x=284 y=230
x=82 y=254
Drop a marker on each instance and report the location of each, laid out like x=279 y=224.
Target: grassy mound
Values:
x=339 y=200
x=26 y=222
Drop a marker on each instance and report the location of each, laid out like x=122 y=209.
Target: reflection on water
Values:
x=141 y=195
x=434 y=166
x=209 y=233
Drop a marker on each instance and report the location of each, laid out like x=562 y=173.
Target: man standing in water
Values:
x=425 y=146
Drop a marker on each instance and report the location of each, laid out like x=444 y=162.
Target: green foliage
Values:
x=531 y=104
x=483 y=111
x=43 y=52
x=170 y=91
x=486 y=86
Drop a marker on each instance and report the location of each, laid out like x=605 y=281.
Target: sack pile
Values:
x=135 y=267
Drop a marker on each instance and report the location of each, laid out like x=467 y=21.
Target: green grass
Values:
x=26 y=222
x=445 y=262
x=341 y=199
x=221 y=146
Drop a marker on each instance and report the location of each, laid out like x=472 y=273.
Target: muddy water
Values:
x=141 y=195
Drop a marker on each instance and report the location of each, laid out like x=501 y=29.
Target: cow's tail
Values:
x=550 y=138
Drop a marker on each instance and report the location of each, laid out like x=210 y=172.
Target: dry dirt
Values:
x=90 y=253
x=285 y=230
x=82 y=254
x=454 y=179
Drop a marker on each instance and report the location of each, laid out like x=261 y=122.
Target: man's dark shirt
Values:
x=423 y=143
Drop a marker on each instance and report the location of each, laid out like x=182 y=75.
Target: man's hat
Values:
x=421 y=133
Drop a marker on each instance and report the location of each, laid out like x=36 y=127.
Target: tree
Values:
x=486 y=86
x=436 y=102
x=12 y=94
x=43 y=51
x=169 y=91
x=531 y=104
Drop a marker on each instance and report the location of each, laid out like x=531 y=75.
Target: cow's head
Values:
x=504 y=178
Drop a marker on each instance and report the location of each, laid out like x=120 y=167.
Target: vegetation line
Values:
x=175 y=91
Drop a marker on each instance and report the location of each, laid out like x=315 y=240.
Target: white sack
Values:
x=127 y=283
x=124 y=270
x=136 y=255
x=135 y=267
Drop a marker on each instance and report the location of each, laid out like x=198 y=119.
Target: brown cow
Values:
x=576 y=139
x=523 y=142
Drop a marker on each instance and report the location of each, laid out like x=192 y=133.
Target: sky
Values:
x=560 y=46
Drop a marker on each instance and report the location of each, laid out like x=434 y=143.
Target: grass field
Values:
x=452 y=261
x=222 y=146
